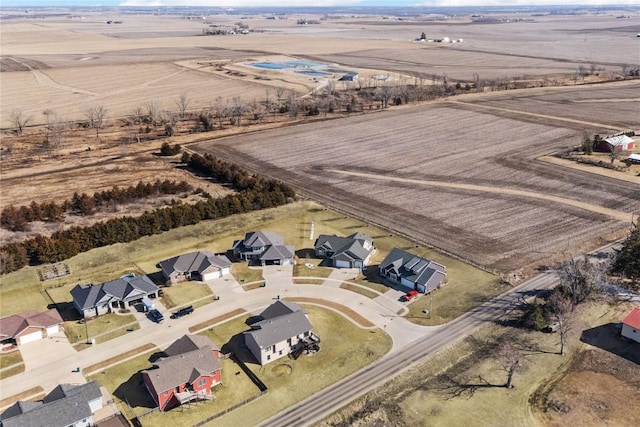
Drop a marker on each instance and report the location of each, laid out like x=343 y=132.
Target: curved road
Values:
x=340 y=394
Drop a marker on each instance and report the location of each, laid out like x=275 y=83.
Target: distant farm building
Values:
x=616 y=144
x=634 y=158
x=349 y=77
x=631 y=325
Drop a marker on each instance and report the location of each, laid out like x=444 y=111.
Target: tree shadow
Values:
x=306 y=253
x=134 y=392
x=156 y=356
x=608 y=338
x=454 y=388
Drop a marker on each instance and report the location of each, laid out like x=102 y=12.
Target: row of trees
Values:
x=17 y=218
x=256 y=193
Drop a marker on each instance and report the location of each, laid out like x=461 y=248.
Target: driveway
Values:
x=47 y=352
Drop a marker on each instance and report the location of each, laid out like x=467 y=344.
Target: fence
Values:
x=229 y=409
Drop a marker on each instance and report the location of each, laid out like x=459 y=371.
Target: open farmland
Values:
x=463 y=181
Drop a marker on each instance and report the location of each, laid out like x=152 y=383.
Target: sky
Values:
x=306 y=3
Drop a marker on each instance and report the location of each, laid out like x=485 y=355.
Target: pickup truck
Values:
x=156 y=316
x=182 y=312
x=410 y=295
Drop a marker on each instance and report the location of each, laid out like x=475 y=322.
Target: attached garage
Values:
x=211 y=275
x=343 y=264
x=29 y=335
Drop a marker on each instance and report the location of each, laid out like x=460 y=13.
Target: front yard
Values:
x=102 y=328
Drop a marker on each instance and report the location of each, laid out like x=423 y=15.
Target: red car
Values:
x=410 y=295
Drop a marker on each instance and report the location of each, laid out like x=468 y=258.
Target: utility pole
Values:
x=86 y=329
x=430 y=303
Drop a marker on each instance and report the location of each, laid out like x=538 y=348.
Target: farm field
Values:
x=470 y=186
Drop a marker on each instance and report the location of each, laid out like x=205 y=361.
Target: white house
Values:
x=284 y=327
x=631 y=325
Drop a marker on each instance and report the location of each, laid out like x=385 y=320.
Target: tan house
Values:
x=30 y=326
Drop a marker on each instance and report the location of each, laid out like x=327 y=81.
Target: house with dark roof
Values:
x=631 y=325
x=94 y=300
x=353 y=251
x=413 y=272
x=188 y=372
x=263 y=248
x=284 y=327
x=29 y=326
x=67 y=405
x=200 y=265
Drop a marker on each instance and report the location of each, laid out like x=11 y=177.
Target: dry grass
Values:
x=33 y=393
x=89 y=370
x=354 y=316
x=245 y=274
x=302 y=269
x=11 y=371
x=102 y=328
x=359 y=290
x=8 y=359
x=183 y=293
x=211 y=322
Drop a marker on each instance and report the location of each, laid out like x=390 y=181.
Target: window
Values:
x=268 y=357
x=280 y=352
x=274 y=349
x=202 y=382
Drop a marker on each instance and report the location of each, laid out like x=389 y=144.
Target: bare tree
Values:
x=579 y=279
x=220 y=110
x=280 y=93
x=182 y=102
x=19 y=120
x=153 y=112
x=563 y=313
x=511 y=360
x=96 y=117
x=293 y=106
x=238 y=108
x=137 y=115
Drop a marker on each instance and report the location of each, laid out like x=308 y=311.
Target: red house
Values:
x=192 y=367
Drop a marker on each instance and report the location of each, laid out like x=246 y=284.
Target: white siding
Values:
x=629 y=332
x=53 y=329
x=212 y=275
x=343 y=264
x=34 y=336
x=95 y=404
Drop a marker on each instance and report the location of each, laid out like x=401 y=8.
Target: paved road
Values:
x=333 y=398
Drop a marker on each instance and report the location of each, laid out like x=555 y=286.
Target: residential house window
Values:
x=306 y=334
x=289 y=341
x=280 y=352
x=268 y=357
x=202 y=382
x=274 y=349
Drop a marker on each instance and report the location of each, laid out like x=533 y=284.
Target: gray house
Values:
x=94 y=300
x=412 y=271
x=66 y=406
x=201 y=265
x=284 y=327
x=353 y=251
x=263 y=248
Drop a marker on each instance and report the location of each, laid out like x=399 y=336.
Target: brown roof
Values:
x=12 y=326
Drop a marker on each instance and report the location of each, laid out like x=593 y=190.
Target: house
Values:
x=616 y=144
x=67 y=405
x=412 y=271
x=94 y=300
x=201 y=265
x=634 y=158
x=192 y=367
x=29 y=326
x=284 y=327
x=350 y=76
x=353 y=251
x=631 y=325
x=263 y=248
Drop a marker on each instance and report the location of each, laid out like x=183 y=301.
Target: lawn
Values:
x=359 y=290
x=468 y=286
x=12 y=371
x=102 y=328
x=302 y=269
x=185 y=293
x=245 y=274
x=8 y=359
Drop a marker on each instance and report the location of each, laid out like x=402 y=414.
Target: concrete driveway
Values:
x=45 y=352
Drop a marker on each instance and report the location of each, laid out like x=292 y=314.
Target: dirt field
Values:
x=69 y=64
x=500 y=220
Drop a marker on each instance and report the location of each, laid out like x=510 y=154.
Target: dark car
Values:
x=182 y=312
x=156 y=316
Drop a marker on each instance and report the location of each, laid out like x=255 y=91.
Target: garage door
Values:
x=27 y=338
x=209 y=276
x=343 y=264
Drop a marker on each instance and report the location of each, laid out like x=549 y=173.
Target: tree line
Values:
x=253 y=193
x=17 y=218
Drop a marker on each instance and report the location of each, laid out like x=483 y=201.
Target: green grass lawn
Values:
x=184 y=293
x=12 y=371
x=112 y=325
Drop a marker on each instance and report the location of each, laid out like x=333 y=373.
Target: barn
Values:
x=616 y=144
x=631 y=325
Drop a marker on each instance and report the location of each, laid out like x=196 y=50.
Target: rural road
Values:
x=333 y=398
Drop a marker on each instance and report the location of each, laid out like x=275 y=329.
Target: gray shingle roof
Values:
x=279 y=308
x=262 y=238
x=122 y=289
x=277 y=329
x=184 y=368
x=278 y=252
x=198 y=261
x=189 y=343
x=65 y=405
x=414 y=268
x=349 y=248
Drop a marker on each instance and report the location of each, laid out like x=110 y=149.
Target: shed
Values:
x=631 y=325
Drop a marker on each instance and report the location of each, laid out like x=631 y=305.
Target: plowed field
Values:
x=464 y=181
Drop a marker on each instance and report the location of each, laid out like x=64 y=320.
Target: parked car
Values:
x=410 y=295
x=156 y=316
x=182 y=312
